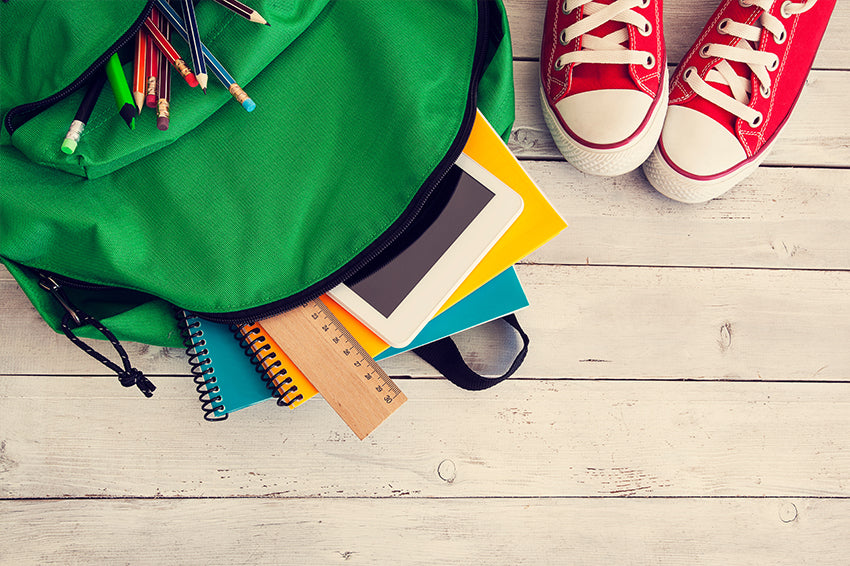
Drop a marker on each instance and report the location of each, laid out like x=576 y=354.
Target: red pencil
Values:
x=170 y=53
x=152 y=65
x=163 y=111
x=139 y=69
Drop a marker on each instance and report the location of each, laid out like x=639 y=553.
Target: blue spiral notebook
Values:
x=226 y=379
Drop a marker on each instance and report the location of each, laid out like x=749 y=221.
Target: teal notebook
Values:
x=498 y=297
x=225 y=376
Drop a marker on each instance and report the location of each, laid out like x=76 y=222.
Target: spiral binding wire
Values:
x=273 y=374
x=201 y=366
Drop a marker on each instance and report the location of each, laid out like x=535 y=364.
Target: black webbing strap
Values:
x=444 y=356
x=128 y=376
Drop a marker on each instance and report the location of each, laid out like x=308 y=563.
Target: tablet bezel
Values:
x=448 y=272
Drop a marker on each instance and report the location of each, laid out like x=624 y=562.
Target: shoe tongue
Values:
x=597 y=76
x=727 y=119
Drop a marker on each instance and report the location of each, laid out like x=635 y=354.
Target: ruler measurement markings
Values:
x=343 y=372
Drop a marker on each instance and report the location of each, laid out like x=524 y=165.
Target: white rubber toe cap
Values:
x=604 y=116
x=697 y=144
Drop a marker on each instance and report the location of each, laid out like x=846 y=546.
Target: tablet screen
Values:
x=403 y=264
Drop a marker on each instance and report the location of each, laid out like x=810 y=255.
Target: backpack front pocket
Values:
x=41 y=113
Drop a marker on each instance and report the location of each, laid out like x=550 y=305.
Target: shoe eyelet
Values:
x=650 y=62
x=644 y=4
x=783 y=11
x=764 y=91
x=781 y=38
x=774 y=64
x=744 y=4
x=703 y=52
x=721 y=27
x=756 y=121
x=562 y=36
x=558 y=65
x=690 y=70
x=646 y=30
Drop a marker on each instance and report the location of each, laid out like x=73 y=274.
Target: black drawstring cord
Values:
x=129 y=376
x=74 y=318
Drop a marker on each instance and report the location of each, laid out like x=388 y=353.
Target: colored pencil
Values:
x=198 y=63
x=170 y=53
x=163 y=110
x=81 y=118
x=139 y=69
x=152 y=65
x=246 y=12
x=217 y=68
x=121 y=91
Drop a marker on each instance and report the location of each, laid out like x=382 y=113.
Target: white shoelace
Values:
x=746 y=51
x=608 y=49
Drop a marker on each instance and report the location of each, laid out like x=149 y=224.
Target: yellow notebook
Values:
x=538 y=223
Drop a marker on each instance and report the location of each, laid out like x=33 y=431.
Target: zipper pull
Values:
x=128 y=376
x=50 y=285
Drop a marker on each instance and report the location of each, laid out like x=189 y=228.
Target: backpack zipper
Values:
x=18 y=115
x=49 y=284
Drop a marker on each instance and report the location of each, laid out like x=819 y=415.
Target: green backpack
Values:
x=362 y=105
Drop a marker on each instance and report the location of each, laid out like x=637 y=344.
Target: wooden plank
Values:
x=683 y=20
x=444 y=531
x=817 y=134
x=685 y=323
x=777 y=218
x=84 y=437
x=585 y=322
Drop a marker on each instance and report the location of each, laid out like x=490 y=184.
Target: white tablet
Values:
x=408 y=283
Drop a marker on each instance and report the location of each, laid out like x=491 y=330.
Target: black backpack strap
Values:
x=444 y=356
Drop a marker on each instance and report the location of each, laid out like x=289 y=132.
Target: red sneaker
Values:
x=603 y=75
x=733 y=92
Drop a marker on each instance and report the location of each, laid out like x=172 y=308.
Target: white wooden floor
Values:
x=686 y=399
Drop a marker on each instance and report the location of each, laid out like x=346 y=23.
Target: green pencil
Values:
x=121 y=90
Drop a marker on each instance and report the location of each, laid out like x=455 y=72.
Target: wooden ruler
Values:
x=340 y=369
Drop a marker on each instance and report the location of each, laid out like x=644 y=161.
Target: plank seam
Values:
x=682 y=267
x=519 y=378
x=439 y=498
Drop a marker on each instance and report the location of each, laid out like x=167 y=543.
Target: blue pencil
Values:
x=198 y=64
x=218 y=70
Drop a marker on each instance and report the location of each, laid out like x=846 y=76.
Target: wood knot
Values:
x=788 y=512
x=725 y=341
x=447 y=471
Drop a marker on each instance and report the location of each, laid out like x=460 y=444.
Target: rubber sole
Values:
x=673 y=184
